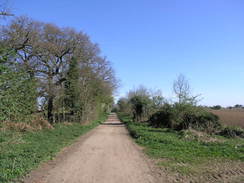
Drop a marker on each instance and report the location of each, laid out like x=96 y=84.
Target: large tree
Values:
x=46 y=52
x=72 y=88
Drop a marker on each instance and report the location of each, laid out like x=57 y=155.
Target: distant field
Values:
x=231 y=117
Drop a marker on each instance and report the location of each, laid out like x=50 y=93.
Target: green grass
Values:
x=180 y=154
x=21 y=152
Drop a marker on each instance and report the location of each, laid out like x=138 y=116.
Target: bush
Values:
x=185 y=116
x=232 y=132
x=140 y=106
x=200 y=119
x=114 y=109
x=163 y=118
x=216 y=107
x=18 y=91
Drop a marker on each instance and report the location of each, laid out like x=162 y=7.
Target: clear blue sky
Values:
x=150 y=42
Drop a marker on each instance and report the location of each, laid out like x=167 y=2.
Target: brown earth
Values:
x=231 y=117
x=105 y=155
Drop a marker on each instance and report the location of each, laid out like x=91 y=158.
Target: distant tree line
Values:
x=237 y=106
x=218 y=107
x=53 y=70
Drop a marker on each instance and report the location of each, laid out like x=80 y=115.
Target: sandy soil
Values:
x=105 y=155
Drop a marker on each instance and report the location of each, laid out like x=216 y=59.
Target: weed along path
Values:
x=104 y=155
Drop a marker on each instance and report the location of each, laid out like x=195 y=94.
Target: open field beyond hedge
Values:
x=231 y=117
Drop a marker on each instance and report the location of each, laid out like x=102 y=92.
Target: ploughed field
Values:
x=231 y=117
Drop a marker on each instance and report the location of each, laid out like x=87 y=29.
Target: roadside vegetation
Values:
x=54 y=86
x=186 y=139
x=57 y=72
x=189 y=154
x=20 y=152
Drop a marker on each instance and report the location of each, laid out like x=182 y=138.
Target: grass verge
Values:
x=21 y=152
x=186 y=156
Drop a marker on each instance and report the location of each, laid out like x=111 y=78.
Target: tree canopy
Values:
x=71 y=77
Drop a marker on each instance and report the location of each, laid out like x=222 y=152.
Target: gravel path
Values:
x=105 y=155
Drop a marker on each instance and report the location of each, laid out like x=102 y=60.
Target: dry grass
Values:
x=67 y=123
x=19 y=127
x=37 y=123
x=40 y=123
x=199 y=136
x=231 y=117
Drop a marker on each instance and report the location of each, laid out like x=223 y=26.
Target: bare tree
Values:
x=140 y=91
x=182 y=89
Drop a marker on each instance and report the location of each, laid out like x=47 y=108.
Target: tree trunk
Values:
x=50 y=110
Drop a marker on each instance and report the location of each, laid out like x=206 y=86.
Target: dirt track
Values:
x=104 y=155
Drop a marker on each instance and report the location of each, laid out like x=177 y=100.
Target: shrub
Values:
x=216 y=107
x=39 y=123
x=114 y=109
x=232 y=132
x=35 y=124
x=18 y=91
x=140 y=106
x=18 y=127
x=185 y=116
x=200 y=119
x=163 y=118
